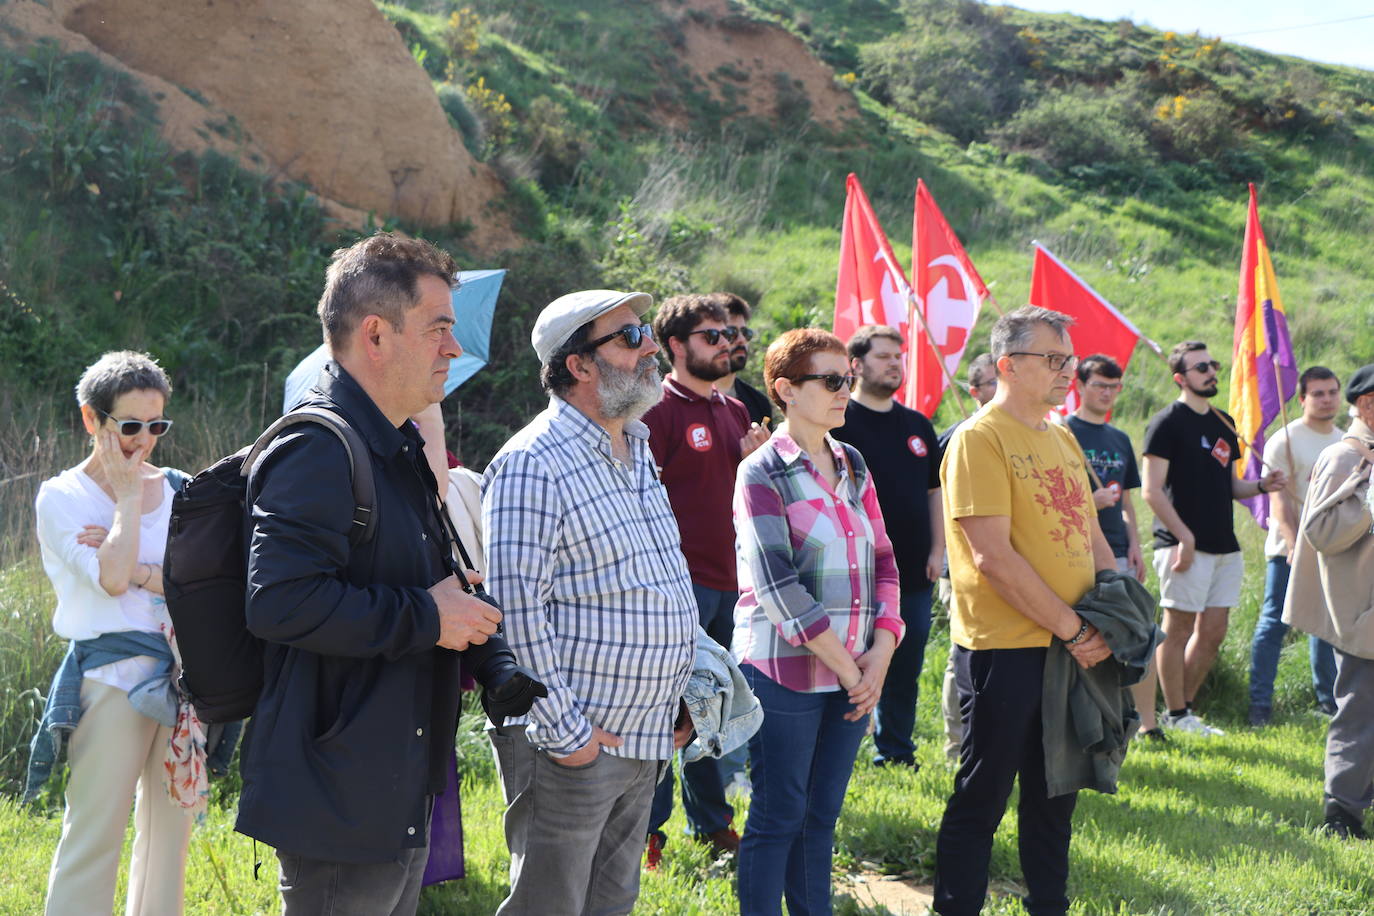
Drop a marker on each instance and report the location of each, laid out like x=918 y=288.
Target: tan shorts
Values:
x=1212 y=581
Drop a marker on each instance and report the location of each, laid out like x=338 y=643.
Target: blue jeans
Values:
x=1270 y=631
x=896 y=712
x=800 y=763
x=703 y=782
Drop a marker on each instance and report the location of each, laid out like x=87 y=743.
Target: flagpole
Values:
x=992 y=300
x=914 y=307
x=1283 y=415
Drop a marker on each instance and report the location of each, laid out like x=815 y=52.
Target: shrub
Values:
x=1196 y=125
x=1078 y=127
x=958 y=66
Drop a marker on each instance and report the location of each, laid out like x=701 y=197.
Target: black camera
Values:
x=508 y=688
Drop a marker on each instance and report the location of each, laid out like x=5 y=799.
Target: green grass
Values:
x=1199 y=827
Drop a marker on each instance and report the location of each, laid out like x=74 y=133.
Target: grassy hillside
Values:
x=632 y=163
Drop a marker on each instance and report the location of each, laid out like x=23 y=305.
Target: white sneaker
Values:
x=739 y=788
x=1188 y=722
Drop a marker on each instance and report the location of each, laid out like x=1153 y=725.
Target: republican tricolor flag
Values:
x=1264 y=373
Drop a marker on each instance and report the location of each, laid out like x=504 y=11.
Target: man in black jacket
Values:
x=349 y=740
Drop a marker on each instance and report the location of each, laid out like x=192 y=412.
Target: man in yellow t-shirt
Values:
x=1024 y=545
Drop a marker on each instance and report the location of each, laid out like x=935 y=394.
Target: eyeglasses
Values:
x=833 y=382
x=157 y=427
x=713 y=335
x=1203 y=367
x=745 y=331
x=1057 y=361
x=985 y=383
x=632 y=335
x=1104 y=386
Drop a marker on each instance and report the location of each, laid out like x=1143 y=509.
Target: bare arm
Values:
x=832 y=653
x=1134 y=557
x=989 y=538
x=1103 y=558
x=1272 y=482
x=1156 y=471
x=117 y=555
x=935 y=563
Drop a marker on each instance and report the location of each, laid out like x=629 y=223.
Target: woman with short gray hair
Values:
x=102 y=527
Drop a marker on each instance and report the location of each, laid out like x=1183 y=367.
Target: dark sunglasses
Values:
x=157 y=427
x=832 y=381
x=632 y=335
x=1203 y=367
x=746 y=332
x=713 y=335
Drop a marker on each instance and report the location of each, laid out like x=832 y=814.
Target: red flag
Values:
x=871 y=287
x=1098 y=326
x=948 y=292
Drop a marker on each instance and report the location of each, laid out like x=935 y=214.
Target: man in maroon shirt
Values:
x=698 y=437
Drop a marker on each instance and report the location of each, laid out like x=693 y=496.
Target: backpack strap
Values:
x=176 y=478
x=359 y=465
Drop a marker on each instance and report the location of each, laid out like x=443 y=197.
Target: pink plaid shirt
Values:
x=809 y=559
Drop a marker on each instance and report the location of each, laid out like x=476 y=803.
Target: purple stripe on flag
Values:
x=1276 y=378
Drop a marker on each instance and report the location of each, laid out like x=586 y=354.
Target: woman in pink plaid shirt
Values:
x=815 y=626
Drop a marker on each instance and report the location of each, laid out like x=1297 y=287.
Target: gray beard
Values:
x=627 y=394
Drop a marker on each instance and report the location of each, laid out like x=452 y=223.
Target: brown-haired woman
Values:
x=815 y=625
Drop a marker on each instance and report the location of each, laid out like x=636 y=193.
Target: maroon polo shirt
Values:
x=695 y=441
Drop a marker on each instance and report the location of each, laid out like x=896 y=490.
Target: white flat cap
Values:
x=566 y=314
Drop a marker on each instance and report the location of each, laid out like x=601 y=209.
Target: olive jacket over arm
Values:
x=1089 y=716
x=359 y=707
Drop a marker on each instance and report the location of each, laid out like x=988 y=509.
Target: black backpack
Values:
x=205 y=569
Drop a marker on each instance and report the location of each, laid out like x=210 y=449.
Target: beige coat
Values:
x=1331 y=588
x=464 y=504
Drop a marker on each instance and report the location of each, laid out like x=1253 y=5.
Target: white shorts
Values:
x=1212 y=581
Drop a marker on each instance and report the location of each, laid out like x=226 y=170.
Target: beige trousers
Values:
x=113 y=750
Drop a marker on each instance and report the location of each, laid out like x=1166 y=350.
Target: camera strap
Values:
x=441 y=510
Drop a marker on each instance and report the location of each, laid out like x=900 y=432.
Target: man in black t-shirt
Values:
x=901 y=450
x=1112 y=459
x=732 y=386
x=1190 y=480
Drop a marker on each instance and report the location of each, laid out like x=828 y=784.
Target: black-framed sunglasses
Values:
x=158 y=427
x=833 y=382
x=1057 y=361
x=713 y=335
x=745 y=331
x=1204 y=366
x=632 y=335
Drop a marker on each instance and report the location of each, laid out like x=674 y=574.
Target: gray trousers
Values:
x=1350 y=738
x=575 y=834
x=314 y=887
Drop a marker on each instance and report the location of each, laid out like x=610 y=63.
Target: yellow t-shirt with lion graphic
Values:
x=996 y=465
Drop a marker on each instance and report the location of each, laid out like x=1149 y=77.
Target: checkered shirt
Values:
x=810 y=559
x=584 y=556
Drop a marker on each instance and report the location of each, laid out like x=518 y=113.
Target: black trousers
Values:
x=999 y=702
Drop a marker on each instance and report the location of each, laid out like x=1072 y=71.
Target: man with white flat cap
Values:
x=585 y=559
